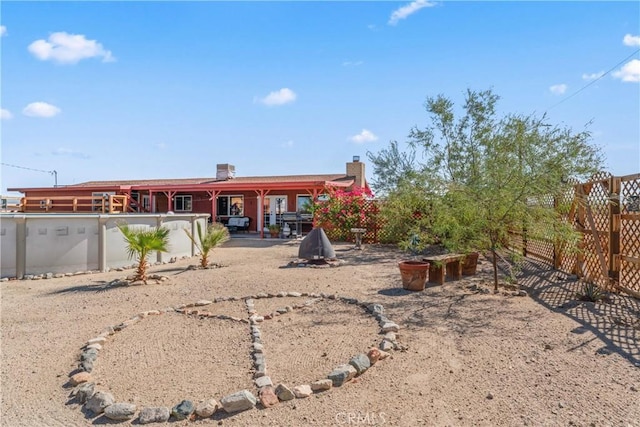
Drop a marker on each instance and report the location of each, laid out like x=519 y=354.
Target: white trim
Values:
x=273 y=207
x=184 y=198
x=229 y=205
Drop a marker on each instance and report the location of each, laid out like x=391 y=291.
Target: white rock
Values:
x=239 y=401
x=97 y=340
x=206 y=408
x=321 y=385
x=263 y=381
x=302 y=391
x=390 y=327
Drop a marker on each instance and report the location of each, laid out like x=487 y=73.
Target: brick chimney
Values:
x=356 y=170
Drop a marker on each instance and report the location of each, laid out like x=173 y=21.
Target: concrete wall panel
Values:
x=66 y=243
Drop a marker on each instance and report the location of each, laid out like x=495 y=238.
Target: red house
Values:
x=264 y=200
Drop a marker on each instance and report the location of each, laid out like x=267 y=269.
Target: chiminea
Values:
x=316 y=246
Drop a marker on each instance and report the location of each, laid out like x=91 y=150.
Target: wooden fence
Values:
x=376 y=232
x=606 y=211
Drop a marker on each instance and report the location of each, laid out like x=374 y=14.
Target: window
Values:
x=146 y=203
x=303 y=203
x=182 y=203
x=230 y=205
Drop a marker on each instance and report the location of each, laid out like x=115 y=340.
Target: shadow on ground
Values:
x=257 y=242
x=97 y=287
x=367 y=255
x=616 y=322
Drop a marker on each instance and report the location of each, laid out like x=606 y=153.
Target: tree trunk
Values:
x=495 y=269
x=142 y=270
x=204 y=261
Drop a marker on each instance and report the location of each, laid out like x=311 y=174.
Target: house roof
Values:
x=249 y=182
x=196 y=181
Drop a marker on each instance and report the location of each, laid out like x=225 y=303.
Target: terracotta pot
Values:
x=414 y=274
x=274 y=234
x=470 y=264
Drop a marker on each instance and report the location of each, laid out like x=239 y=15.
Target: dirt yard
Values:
x=469 y=358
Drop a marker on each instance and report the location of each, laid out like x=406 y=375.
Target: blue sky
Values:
x=119 y=90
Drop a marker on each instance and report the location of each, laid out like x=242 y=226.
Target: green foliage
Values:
x=485 y=175
x=141 y=242
x=591 y=292
x=274 y=228
x=342 y=211
x=215 y=235
x=391 y=167
x=407 y=211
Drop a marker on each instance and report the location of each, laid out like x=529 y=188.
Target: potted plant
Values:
x=274 y=230
x=414 y=272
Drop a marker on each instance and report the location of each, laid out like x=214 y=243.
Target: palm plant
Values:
x=141 y=242
x=215 y=235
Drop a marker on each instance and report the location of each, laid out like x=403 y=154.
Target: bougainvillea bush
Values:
x=343 y=210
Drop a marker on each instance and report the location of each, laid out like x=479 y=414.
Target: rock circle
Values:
x=268 y=394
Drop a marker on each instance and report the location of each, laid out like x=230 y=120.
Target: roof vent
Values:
x=225 y=171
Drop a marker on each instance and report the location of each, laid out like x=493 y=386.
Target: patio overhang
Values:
x=245 y=186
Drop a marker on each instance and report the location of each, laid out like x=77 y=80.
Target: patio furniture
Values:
x=238 y=223
x=447 y=265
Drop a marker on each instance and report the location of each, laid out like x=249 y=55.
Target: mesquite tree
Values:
x=487 y=175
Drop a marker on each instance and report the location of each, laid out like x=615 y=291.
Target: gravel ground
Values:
x=469 y=358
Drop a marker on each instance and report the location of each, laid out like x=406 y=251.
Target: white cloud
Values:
x=364 y=136
x=41 y=109
x=630 y=40
x=592 y=76
x=5 y=114
x=161 y=146
x=66 y=48
x=279 y=97
x=630 y=72
x=3 y=30
x=287 y=144
x=405 y=11
x=352 y=63
x=558 y=89
x=71 y=153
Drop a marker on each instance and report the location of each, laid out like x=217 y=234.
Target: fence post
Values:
x=581 y=196
x=102 y=242
x=557 y=249
x=194 y=219
x=614 y=228
x=21 y=246
x=159 y=221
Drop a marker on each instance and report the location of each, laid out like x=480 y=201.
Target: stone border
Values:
x=46 y=276
x=99 y=402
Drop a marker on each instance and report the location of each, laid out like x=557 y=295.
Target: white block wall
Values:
x=32 y=244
